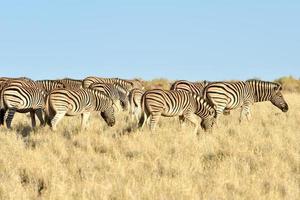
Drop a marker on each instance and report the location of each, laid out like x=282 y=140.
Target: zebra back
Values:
x=194 y=87
x=126 y=84
x=49 y=85
x=71 y=83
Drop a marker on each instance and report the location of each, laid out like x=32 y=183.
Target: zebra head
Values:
x=208 y=122
x=206 y=112
x=124 y=104
x=277 y=98
x=109 y=116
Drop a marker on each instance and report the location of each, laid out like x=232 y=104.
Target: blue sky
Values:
x=194 y=40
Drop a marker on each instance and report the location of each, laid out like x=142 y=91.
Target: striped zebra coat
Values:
x=194 y=87
x=71 y=102
x=70 y=83
x=117 y=93
x=232 y=95
x=157 y=102
x=15 y=98
x=49 y=85
x=126 y=84
x=135 y=97
x=23 y=82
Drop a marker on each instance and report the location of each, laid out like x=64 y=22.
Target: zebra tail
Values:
x=2 y=99
x=143 y=113
x=131 y=103
x=47 y=107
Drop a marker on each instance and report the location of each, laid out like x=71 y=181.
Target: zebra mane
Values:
x=264 y=82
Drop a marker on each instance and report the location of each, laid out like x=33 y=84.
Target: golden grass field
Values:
x=259 y=159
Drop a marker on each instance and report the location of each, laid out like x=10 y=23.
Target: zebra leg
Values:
x=39 y=114
x=192 y=118
x=248 y=115
x=10 y=116
x=154 y=120
x=58 y=116
x=142 y=120
x=219 y=112
x=181 y=121
x=84 y=119
x=132 y=114
x=2 y=115
x=137 y=113
x=245 y=112
x=32 y=116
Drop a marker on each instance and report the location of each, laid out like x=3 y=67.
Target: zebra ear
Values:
x=278 y=88
x=116 y=107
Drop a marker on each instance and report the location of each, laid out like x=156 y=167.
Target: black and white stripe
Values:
x=49 y=85
x=194 y=87
x=126 y=84
x=232 y=95
x=117 y=93
x=23 y=82
x=157 y=102
x=16 y=98
x=71 y=102
x=135 y=97
x=70 y=83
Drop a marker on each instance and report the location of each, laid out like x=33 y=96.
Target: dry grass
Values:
x=255 y=160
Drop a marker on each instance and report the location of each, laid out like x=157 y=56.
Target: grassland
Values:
x=255 y=160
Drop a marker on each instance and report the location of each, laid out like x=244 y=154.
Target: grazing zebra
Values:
x=126 y=84
x=71 y=83
x=114 y=91
x=71 y=102
x=49 y=85
x=135 y=96
x=157 y=102
x=194 y=87
x=16 y=98
x=232 y=95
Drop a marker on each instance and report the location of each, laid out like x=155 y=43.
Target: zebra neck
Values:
x=261 y=95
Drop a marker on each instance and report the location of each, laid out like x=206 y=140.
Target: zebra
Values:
x=126 y=84
x=135 y=97
x=70 y=83
x=23 y=99
x=114 y=91
x=231 y=95
x=20 y=82
x=71 y=102
x=157 y=102
x=49 y=85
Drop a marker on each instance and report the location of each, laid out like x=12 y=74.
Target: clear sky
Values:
x=194 y=40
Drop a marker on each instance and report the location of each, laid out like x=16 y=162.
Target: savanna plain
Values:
x=257 y=159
